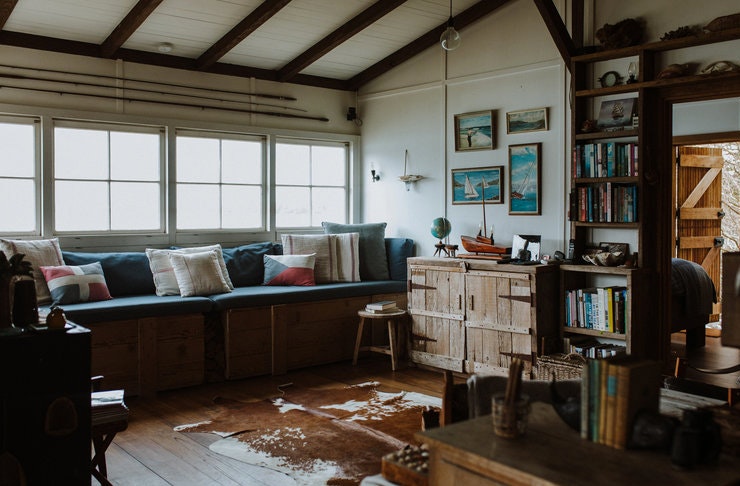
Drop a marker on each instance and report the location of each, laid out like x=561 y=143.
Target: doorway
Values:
x=707 y=205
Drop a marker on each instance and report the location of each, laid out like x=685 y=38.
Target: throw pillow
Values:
x=348 y=257
x=244 y=263
x=164 y=275
x=373 y=260
x=289 y=270
x=39 y=253
x=73 y=284
x=323 y=246
x=199 y=273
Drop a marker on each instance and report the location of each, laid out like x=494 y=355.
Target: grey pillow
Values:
x=373 y=259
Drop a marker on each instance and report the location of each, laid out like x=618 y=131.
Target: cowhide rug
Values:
x=319 y=435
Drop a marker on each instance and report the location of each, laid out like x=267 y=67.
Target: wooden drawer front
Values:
x=314 y=333
x=115 y=354
x=498 y=321
x=248 y=342
x=438 y=336
x=180 y=350
x=437 y=292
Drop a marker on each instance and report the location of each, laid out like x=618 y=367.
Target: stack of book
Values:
x=108 y=406
x=382 y=307
x=613 y=391
x=599 y=308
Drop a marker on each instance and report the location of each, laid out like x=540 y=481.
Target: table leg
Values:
x=358 y=341
x=392 y=342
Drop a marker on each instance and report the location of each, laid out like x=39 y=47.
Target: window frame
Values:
x=34 y=121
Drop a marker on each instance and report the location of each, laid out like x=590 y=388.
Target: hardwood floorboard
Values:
x=151 y=452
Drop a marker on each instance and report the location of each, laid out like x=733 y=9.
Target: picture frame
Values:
x=467 y=185
x=475 y=131
x=522 y=121
x=525 y=179
x=526 y=247
x=616 y=114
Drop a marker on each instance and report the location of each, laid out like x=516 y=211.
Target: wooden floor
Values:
x=150 y=452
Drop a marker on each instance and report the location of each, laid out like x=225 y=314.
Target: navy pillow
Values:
x=126 y=273
x=245 y=263
x=398 y=250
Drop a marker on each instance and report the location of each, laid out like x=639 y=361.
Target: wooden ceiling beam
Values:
x=558 y=30
x=249 y=24
x=366 y=18
x=6 y=8
x=136 y=16
x=463 y=19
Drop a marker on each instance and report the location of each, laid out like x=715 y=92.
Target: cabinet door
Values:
x=498 y=321
x=436 y=309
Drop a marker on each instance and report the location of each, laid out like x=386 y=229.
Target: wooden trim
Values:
x=706 y=138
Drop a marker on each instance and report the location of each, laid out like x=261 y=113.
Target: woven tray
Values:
x=564 y=366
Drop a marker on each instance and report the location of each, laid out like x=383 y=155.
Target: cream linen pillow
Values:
x=164 y=275
x=40 y=253
x=348 y=256
x=198 y=273
x=324 y=246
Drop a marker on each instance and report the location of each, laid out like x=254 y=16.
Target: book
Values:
x=108 y=398
x=389 y=310
x=638 y=388
x=381 y=305
x=585 y=388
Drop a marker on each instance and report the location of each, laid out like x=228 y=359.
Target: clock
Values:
x=609 y=79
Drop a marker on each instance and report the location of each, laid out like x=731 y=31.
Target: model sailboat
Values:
x=480 y=243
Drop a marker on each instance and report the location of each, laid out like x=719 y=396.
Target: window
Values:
x=19 y=175
x=310 y=183
x=107 y=178
x=220 y=181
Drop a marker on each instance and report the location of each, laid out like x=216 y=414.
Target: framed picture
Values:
x=525 y=173
x=616 y=114
x=470 y=186
x=474 y=131
x=522 y=121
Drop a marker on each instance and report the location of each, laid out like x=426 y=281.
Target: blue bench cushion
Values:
x=263 y=295
x=136 y=307
x=126 y=273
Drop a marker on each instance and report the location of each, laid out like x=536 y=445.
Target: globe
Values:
x=441 y=228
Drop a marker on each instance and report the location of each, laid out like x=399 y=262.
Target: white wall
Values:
x=507 y=61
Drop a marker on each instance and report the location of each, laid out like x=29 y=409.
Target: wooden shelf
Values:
x=580 y=137
x=596 y=224
x=598 y=180
x=599 y=270
x=595 y=333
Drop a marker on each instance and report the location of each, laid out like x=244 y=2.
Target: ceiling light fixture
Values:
x=450 y=38
x=165 y=47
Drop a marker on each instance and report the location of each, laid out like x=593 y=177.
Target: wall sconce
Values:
x=375 y=177
x=408 y=179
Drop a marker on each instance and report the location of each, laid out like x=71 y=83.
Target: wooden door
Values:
x=699 y=210
x=435 y=305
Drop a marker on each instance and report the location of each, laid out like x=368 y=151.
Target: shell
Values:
x=720 y=67
x=674 y=71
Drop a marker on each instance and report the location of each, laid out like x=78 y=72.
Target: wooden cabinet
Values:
x=474 y=316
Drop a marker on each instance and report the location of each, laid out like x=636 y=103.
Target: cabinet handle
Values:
x=472 y=302
x=459 y=302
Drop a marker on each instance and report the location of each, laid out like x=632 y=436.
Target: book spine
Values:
x=585 y=408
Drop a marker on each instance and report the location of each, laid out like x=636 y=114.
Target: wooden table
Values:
x=551 y=453
x=394 y=319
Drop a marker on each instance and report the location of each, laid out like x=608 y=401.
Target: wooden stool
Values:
x=395 y=322
x=107 y=421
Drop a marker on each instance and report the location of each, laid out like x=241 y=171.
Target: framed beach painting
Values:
x=474 y=131
x=525 y=179
x=523 y=121
x=474 y=186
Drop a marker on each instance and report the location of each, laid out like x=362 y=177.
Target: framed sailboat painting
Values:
x=525 y=174
x=482 y=185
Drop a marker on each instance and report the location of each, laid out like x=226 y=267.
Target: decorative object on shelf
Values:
x=525 y=173
x=589 y=126
x=11 y=270
x=25 y=309
x=522 y=121
x=720 y=67
x=478 y=185
x=56 y=318
x=408 y=179
x=526 y=248
x=632 y=73
x=609 y=79
x=684 y=31
x=625 y=33
x=441 y=229
x=674 y=71
x=373 y=176
x=474 y=131
x=450 y=38
x=723 y=23
x=616 y=114
x=608 y=254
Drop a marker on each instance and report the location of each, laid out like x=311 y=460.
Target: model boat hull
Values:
x=474 y=245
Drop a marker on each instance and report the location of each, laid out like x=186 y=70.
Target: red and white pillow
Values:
x=73 y=284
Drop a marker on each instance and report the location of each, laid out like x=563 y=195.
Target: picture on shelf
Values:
x=470 y=185
x=526 y=120
x=616 y=114
x=474 y=131
x=525 y=187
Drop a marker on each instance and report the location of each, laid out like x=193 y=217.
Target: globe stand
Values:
x=451 y=250
x=441 y=248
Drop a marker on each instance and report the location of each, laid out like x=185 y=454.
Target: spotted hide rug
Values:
x=333 y=436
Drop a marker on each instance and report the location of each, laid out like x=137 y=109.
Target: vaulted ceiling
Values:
x=339 y=44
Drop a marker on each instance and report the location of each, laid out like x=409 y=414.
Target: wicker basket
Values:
x=563 y=366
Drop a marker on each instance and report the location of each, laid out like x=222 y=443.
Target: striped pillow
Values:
x=72 y=284
x=348 y=256
x=323 y=246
